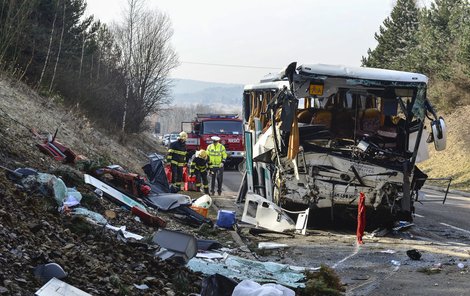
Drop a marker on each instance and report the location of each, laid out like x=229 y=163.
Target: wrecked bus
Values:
x=319 y=135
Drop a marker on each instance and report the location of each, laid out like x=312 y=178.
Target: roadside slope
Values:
x=455 y=160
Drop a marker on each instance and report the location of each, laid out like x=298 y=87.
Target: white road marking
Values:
x=419 y=216
x=456 y=228
x=356 y=250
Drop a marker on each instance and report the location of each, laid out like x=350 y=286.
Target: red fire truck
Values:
x=226 y=126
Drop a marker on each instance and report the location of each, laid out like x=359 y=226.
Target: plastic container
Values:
x=204 y=201
x=200 y=210
x=225 y=219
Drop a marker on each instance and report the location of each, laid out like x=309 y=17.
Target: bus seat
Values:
x=322 y=117
x=305 y=116
x=370 y=121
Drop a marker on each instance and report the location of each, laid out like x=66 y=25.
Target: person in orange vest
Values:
x=199 y=167
x=217 y=157
x=177 y=157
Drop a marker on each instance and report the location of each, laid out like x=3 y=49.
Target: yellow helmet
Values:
x=202 y=154
x=183 y=135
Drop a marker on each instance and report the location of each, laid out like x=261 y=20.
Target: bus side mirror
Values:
x=439 y=134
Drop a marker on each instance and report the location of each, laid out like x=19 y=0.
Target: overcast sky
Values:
x=261 y=33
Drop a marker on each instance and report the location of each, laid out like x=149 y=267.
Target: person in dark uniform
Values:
x=199 y=167
x=177 y=157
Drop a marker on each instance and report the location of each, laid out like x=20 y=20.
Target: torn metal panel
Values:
x=56 y=287
x=117 y=196
x=168 y=201
x=263 y=213
x=177 y=245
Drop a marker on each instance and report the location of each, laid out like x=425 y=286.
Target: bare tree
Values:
x=49 y=47
x=13 y=20
x=60 y=48
x=147 y=57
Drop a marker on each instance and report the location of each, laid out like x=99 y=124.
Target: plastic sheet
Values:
x=251 y=288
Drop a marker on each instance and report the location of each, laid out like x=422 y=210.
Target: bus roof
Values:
x=361 y=73
x=267 y=85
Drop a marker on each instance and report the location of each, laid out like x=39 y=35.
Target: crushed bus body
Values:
x=319 y=135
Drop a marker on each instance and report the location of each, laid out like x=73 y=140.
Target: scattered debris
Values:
x=430 y=270
x=271 y=245
x=263 y=213
x=395 y=262
x=325 y=281
x=46 y=272
x=124 y=233
x=218 y=285
x=90 y=215
x=204 y=201
x=141 y=287
x=54 y=148
x=148 y=218
x=225 y=219
x=175 y=245
x=379 y=232
x=413 y=254
x=241 y=268
x=117 y=196
x=251 y=288
x=167 y=202
x=402 y=225
x=388 y=251
x=56 y=287
x=206 y=245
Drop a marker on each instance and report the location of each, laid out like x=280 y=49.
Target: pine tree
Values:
x=396 y=38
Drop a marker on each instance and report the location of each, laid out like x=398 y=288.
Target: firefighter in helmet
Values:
x=217 y=156
x=177 y=157
x=199 y=168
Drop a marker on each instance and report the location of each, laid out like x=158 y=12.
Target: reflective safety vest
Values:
x=216 y=154
x=177 y=153
x=198 y=164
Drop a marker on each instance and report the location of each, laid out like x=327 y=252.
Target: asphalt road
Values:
x=232 y=181
x=430 y=212
x=449 y=220
x=381 y=266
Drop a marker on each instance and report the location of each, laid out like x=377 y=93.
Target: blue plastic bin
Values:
x=225 y=219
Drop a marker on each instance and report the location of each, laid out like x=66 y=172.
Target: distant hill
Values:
x=186 y=91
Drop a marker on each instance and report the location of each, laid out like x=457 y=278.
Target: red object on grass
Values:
x=361 y=218
x=147 y=218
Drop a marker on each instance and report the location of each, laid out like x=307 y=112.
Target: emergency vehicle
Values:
x=226 y=126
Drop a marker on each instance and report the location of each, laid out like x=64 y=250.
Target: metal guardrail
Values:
x=447 y=186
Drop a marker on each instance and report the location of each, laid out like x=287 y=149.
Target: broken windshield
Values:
x=230 y=127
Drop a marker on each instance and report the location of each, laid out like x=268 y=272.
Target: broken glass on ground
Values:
x=263 y=272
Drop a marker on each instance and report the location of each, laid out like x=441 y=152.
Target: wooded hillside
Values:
x=432 y=40
x=118 y=75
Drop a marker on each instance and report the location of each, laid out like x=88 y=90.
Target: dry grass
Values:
x=455 y=160
x=22 y=109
